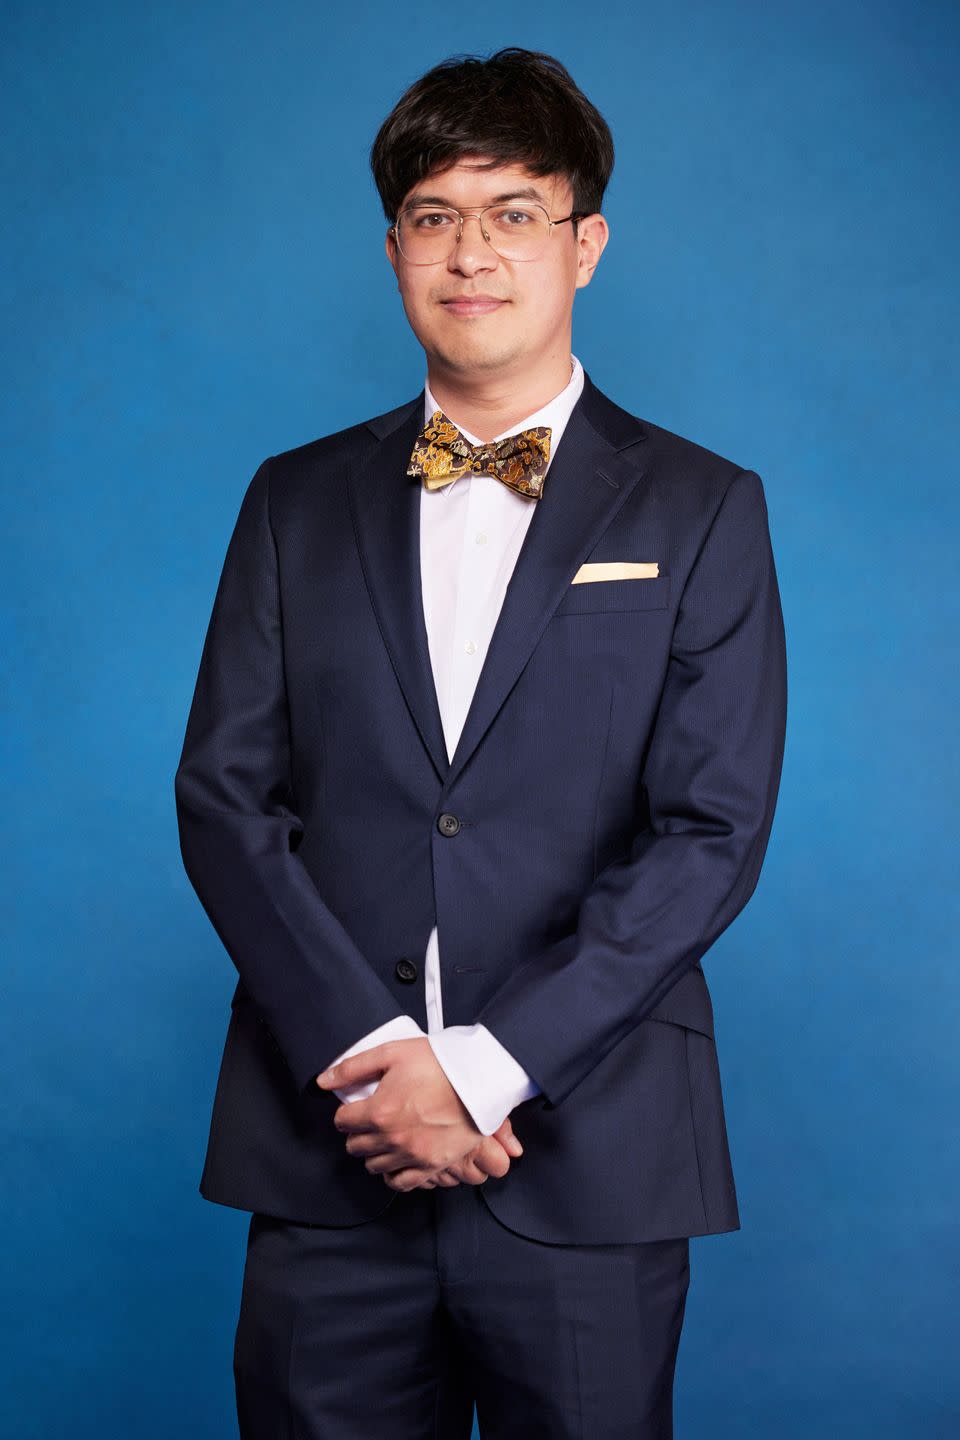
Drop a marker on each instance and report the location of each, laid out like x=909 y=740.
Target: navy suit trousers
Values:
x=394 y=1329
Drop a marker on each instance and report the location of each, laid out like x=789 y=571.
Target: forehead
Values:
x=466 y=182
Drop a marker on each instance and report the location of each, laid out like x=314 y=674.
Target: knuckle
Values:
x=384 y=1115
x=423 y=1154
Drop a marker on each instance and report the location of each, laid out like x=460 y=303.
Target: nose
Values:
x=472 y=252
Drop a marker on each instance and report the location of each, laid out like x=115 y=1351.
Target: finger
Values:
x=470 y=1172
x=443 y=1179
x=491 y=1159
x=366 y=1145
x=508 y=1139
x=390 y=1160
x=368 y=1065
x=406 y=1178
x=353 y=1118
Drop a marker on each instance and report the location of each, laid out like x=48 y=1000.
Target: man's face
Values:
x=530 y=322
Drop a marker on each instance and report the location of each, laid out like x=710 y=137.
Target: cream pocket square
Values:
x=617 y=570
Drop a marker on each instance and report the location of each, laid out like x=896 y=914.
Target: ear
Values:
x=593 y=232
x=393 y=254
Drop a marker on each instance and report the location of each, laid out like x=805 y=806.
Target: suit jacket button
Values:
x=406 y=970
x=448 y=824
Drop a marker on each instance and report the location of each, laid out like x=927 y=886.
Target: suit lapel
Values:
x=588 y=480
x=385 y=503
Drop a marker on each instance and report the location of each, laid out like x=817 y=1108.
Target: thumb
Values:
x=368 y=1065
x=507 y=1139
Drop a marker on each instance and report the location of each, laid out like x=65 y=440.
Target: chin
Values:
x=479 y=355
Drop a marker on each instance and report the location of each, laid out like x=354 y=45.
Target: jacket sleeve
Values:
x=238 y=825
x=711 y=779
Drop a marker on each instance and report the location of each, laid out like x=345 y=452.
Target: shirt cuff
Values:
x=401 y=1027
x=489 y=1081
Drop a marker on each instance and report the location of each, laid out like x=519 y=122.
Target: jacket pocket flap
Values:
x=687 y=1003
x=601 y=595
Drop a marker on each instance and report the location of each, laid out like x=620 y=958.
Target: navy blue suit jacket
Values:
x=614 y=784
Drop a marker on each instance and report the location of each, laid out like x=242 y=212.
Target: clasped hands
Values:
x=414 y=1130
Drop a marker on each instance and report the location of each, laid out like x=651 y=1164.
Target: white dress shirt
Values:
x=471 y=531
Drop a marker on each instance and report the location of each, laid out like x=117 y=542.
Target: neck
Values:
x=487 y=404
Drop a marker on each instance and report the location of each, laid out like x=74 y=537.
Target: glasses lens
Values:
x=426 y=235
x=515 y=231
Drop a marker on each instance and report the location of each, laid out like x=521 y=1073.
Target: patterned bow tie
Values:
x=442 y=454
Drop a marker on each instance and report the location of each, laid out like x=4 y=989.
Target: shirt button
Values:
x=480 y=538
x=448 y=824
x=469 y=647
x=406 y=970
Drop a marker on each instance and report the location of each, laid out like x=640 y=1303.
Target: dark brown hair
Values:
x=519 y=107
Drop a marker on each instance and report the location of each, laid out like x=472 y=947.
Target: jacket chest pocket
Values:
x=599 y=596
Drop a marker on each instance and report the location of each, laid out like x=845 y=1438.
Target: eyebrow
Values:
x=525 y=192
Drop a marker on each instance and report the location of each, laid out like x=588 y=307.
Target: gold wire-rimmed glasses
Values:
x=428 y=234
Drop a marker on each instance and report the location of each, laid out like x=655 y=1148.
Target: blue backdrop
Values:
x=780 y=286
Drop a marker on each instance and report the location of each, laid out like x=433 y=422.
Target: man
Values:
x=482 y=758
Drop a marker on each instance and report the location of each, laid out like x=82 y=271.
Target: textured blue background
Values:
x=780 y=286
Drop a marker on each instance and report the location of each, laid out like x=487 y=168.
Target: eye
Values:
x=431 y=219
x=513 y=218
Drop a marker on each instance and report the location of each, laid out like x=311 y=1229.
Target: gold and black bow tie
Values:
x=442 y=454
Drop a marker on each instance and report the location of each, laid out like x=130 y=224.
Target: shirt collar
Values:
x=555 y=413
